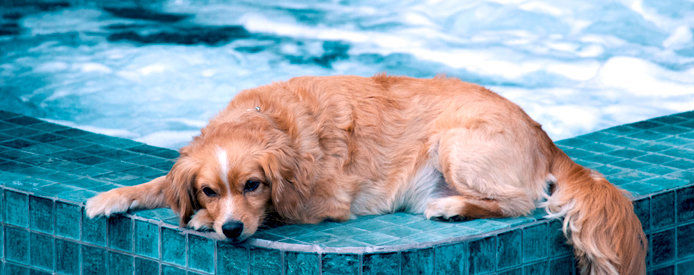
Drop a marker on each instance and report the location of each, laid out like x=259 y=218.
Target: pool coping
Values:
x=633 y=172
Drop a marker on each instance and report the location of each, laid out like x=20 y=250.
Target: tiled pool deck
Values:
x=47 y=171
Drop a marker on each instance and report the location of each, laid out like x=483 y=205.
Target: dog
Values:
x=333 y=148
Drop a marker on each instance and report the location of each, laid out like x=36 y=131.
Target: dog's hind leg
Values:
x=492 y=173
x=143 y=196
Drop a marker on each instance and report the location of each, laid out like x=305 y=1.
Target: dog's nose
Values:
x=232 y=229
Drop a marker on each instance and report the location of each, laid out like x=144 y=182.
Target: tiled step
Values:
x=47 y=172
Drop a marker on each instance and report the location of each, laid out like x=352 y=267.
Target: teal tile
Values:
x=155 y=151
x=642 y=208
x=42 y=250
x=535 y=242
x=653 y=146
x=232 y=259
x=16 y=208
x=647 y=124
x=67 y=255
x=2 y=202
x=144 y=171
x=2 y=241
x=344 y=231
x=629 y=164
x=671 y=119
x=265 y=261
x=677 y=141
x=67 y=220
x=561 y=266
x=146 y=267
x=484 y=225
x=685 y=204
x=537 y=268
x=318 y=237
x=509 y=251
x=666 y=183
x=72 y=132
x=142 y=159
x=346 y=243
x=680 y=164
x=457 y=231
x=381 y=263
x=370 y=224
x=171 y=270
x=94 y=230
x=146 y=237
x=655 y=158
x=573 y=142
x=41 y=214
x=266 y=236
x=93 y=260
x=640 y=188
x=173 y=246
x=512 y=271
x=301 y=263
x=156 y=214
x=449 y=258
x=120 y=232
x=679 y=153
x=685 y=267
x=663 y=210
x=14 y=269
x=24 y=120
x=42 y=149
x=333 y=263
x=429 y=225
x=372 y=238
x=76 y=196
x=17 y=245
x=18 y=143
x=419 y=261
x=47 y=127
x=663 y=270
x=482 y=255
x=663 y=246
x=658 y=169
x=627 y=153
x=200 y=253
x=117 y=177
x=685 y=241
x=557 y=241
x=119 y=263
x=398 y=231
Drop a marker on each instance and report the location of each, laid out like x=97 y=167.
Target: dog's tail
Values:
x=599 y=219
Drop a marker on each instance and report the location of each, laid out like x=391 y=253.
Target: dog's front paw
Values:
x=201 y=220
x=444 y=208
x=108 y=203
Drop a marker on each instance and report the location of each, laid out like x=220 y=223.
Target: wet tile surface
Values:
x=47 y=172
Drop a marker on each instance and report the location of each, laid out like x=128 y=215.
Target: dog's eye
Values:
x=209 y=192
x=251 y=185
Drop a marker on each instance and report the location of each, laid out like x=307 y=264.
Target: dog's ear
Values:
x=180 y=192
x=290 y=182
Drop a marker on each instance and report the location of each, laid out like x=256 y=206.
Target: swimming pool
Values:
x=157 y=72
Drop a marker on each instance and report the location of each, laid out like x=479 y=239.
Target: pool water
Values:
x=157 y=72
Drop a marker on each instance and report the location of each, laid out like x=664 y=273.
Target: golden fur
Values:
x=339 y=147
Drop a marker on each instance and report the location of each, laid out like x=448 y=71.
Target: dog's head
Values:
x=238 y=174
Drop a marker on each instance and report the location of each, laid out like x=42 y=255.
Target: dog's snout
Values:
x=232 y=229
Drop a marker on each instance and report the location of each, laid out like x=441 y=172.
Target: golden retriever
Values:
x=317 y=148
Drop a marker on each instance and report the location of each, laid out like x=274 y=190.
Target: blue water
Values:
x=158 y=72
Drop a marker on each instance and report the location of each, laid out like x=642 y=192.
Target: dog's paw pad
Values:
x=201 y=221
x=106 y=204
x=444 y=208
